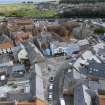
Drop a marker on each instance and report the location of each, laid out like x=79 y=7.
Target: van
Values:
x=62 y=101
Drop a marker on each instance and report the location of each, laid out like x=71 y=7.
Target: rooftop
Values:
x=94 y=69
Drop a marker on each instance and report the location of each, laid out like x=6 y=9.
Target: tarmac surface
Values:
x=58 y=85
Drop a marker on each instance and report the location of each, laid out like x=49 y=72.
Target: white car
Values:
x=51 y=86
x=50 y=96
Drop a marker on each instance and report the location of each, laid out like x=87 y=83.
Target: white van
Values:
x=62 y=101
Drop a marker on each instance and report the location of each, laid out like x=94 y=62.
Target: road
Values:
x=58 y=85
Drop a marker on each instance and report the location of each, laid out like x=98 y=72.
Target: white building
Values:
x=63 y=47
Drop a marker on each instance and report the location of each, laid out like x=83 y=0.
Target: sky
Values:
x=14 y=1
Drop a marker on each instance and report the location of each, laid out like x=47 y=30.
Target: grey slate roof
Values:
x=18 y=67
x=20 y=97
x=94 y=69
x=3 y=38
x=33 y=55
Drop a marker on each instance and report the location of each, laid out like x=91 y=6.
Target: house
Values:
x=6 y=45
x=98 y=24
x=19 y=86
x=81 y=95
x=18 y=70
x=15 y=24
x=43 y=40
x=99 y=49
x=101 y=93
x=22 y=55
x=5 y=60
x=24 y=90
x=85 y=57
x=83 y=43
x=63 y=48
x=7 y=103
x=82 y=31
x=94 y=69
x=21 y=36
x=36 y=102
x=13 y=50
x=101 y=99
x=5 y=42
x=43 y=6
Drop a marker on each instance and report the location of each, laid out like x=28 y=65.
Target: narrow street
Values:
x=58 y=85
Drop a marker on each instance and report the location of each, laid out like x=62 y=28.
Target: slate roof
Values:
x=94 y=69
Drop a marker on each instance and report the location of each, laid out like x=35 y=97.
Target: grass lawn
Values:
x=24 y=10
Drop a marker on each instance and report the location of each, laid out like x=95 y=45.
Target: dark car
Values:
x=51 y=79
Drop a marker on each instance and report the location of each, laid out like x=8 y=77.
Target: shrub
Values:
x=99 y=31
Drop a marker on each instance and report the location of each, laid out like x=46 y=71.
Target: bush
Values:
x=2 y=14
x=99 y=31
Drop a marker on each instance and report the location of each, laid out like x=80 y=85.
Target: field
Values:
x=24 y=10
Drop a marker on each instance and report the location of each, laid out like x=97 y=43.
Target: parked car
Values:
x=50 y=96
x=3 y=78
x=51 y=85
x=51 y=79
